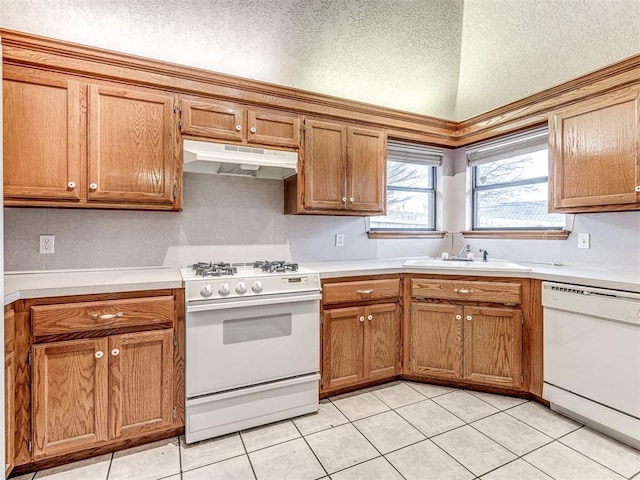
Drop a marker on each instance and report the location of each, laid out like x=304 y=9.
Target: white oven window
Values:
x=244 y=330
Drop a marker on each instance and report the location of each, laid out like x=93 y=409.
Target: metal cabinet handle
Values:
x=99 y=354
x=115 y=352
x=238 y=128
x=253 y=130
x=458 y=317
x=463 y=290
x=469 y=317
x=370 y=317
x=368 y=291
x=107 y=316
x=361 y=318
x=71 y=185
x=93 y=186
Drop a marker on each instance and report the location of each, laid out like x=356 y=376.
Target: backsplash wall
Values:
x=234 y=210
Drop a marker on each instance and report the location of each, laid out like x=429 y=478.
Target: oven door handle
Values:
x=252 y=302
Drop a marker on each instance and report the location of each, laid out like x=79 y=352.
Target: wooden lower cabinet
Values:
x=86 y=392
x=9 y=411
x=361 y=344
x=470 y=343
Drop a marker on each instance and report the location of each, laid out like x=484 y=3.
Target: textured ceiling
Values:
x=445 y=58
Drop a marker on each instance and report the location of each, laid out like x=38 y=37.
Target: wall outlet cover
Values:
x=583 y=240
x=47 y=243
x=339 y=239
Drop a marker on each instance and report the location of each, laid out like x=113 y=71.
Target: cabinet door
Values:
x=343 y=347
x=382 y=341
x=9 y=411
x=594 y=153
x=206 y=118
x=366 y=171
x=131 y=156
x=436 y=340
x=42 y=136
x=493 y=346
x=69 y=392
x=325 y=156
x=141 y=382
x=273 y=128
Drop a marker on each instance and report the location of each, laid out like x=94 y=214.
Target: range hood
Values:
x=221 y=159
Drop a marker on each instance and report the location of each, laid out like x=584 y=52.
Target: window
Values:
x=510 y=183
x=411 y=188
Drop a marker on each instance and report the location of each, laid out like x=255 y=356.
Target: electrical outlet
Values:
x=339 y=239
x=583 y=240
x=47 y=243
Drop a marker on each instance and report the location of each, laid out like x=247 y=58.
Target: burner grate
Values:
x=211 y=269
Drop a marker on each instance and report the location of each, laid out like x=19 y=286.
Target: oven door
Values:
x=239 y=342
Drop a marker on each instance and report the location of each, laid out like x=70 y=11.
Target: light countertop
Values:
x=20 y=285
x=594 y=276
x=54 y=283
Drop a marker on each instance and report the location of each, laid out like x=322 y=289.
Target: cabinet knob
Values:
x=238 y=128
x=351 y=199
x=253 y=130
x=71 y=185
x=115 y=352
x=362 y=318
x=458 y=317
x=93 y=186
x=370 y=317
x=99 y=354
x=469 y=317
x=638 y=188
x=344 y=199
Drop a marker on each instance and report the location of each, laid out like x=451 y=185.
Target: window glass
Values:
x=512 y=193
x=411 y=197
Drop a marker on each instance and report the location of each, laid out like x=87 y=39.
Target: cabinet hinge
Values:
x=521 y=378
x=29 y=358
x=177 y=108
x=302 y=199
x=29 y=445
x=180 y=123
x=321 y=382
x=174 y=412
x=175 y=340
x=321 y=319
x=522 y=319
x=410 y=363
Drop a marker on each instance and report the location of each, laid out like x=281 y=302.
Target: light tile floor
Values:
x=401 y=430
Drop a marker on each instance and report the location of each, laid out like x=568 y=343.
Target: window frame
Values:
x=434 y=210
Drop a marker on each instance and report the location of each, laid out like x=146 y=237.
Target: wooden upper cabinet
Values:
x=42 y=136
x=325 y=156
x=130 y=156
x=239 y=123
x=343 y=172
x=594 y=154
x=70 y=143
x=366 y=170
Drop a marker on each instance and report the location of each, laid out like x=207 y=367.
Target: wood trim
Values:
x=518 y=234
x=50 y=54
x=405 y=234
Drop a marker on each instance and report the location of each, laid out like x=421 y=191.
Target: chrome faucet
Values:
x=464 y=249
x=485 y=255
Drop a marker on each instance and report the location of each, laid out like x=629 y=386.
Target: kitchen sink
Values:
x=491 y=265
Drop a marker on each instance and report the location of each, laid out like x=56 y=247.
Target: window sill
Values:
x=406 y=234
x=518 y=234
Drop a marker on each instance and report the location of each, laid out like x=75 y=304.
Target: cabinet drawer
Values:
x=89 y=316
x=9 y=330
x=362 y=290
x=477 y=291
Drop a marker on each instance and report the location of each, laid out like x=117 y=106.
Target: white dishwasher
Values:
x=592 y=357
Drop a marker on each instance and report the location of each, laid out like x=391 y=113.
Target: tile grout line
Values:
x=326 y=474
x=246 y=452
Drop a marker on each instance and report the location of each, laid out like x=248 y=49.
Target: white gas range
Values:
x=252 y=345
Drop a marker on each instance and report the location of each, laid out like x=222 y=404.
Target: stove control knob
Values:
x=224 y=289
x=241 y=288
x=207 y=290
x=257 y=286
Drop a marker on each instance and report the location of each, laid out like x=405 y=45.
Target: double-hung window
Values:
x=509 y=178
x=411 y=189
